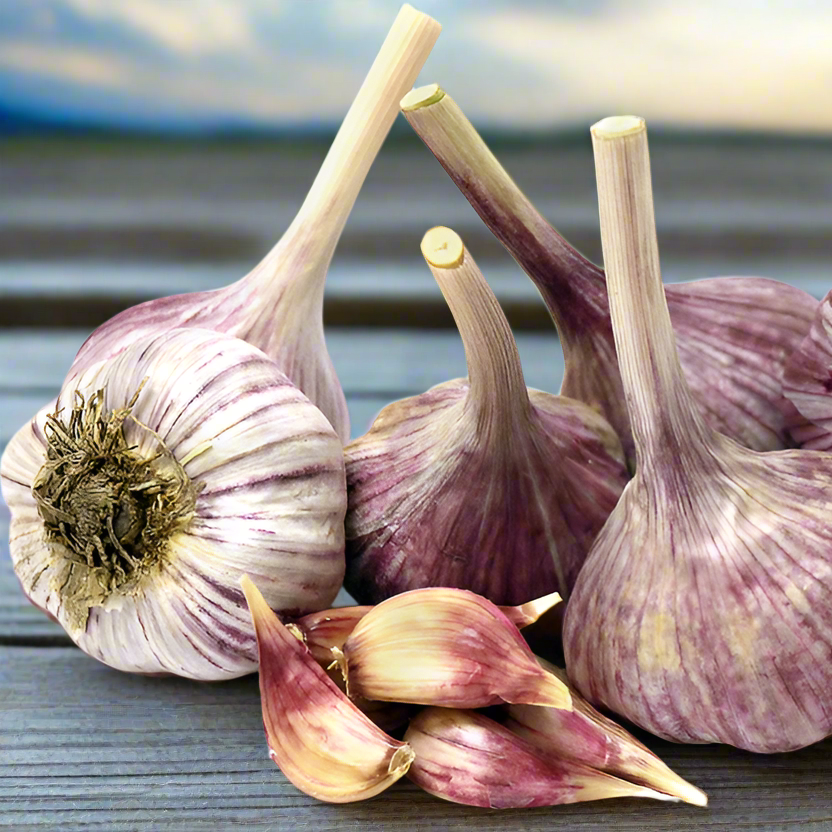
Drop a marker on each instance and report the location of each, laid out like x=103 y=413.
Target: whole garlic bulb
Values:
x=704 y=610
x=479 y=483
x=158 y=478
x=733 y=334
x=278 y=306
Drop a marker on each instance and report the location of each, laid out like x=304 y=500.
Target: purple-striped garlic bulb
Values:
x=479 y=483
x=733 y=335
x=155 y=480
x=278 y=306
x=704 y=610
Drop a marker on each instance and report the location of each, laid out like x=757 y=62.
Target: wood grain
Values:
x=85 y=747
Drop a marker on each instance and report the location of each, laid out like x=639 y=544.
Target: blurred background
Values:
x=150 y=147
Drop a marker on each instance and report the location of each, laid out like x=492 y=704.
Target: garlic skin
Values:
x=322 y=743
x=278 y=306
x=704 y=610
x=446 y=484
x=806 y=381
x=267 y=473
x=446 y=647
x=465 y=757
x=733 y=334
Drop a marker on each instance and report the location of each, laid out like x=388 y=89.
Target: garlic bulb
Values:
x=318 y=738
x=154 y=481
x=704 y=610
x=807 y=381
x=446 y=647
x=733 y=335
x=278 y=305
x=465 y=757
x=478 y=483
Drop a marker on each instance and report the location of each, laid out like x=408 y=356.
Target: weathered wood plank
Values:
x=85 y=747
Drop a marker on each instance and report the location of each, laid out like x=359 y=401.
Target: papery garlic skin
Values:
x=322 y=743
x=479 y=483
x=278 y=306
x=807 y=381
x=446 y=647
x=704 y=610
x=734 y=334
x=465 y=757
x=268 y=471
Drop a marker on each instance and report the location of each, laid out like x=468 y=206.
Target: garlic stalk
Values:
x=445 y=647
x=155 y=480
x=322 y=743
x=807 y=381
x=733 y=334
x=587 y=737
x=465 y=757
x=447 y=483
x=278 y=305
x=321 y=631
x=704 y=610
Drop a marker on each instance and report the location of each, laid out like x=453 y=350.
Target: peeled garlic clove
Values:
x=587 y=737
x=278 y=305
x=132 y=521
x=733 y=334
x=445 y=647
x=464 y=757
x=704 y=610
x=322 y=743
x=321 y=631
x=807 y=381
x=478 y=483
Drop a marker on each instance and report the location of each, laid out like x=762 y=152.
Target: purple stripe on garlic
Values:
x=265 y=475
x=478 y=483
x=278 y=306
x=704 y=610
x=733 y=334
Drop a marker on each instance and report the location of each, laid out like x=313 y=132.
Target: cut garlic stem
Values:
x=446 y=647
x=663 y=413
x=322 y=743
x=498 y=390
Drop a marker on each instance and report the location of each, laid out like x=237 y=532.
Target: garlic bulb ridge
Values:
x=733 y=334
x=278 y=306
x=704 y=610
x=478 y=483
x=154 y=481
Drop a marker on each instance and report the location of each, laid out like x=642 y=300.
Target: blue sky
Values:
x=185 y=63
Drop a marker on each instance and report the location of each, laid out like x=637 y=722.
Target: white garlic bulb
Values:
x=158 y=478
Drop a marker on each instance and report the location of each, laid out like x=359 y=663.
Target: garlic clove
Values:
x=322 y=743
x=733 y=334
x=587 y=737
x=703 y=610
x=806 y=381
x=445 y=484
x=445 y=647
x=263 y=492
x=278 y=306
x=464 y=757
x=321 y=631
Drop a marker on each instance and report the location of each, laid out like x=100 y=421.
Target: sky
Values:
x=526 y=64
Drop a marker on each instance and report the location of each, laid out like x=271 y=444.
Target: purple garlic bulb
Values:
x=479 y=483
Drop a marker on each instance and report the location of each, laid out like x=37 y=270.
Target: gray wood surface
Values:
x=85 y=747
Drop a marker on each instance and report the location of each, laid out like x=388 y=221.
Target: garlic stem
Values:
x=663 y=414
x=572 y=282
x=314 y=233
x=498 y=391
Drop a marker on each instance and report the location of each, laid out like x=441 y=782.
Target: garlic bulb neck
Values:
x=571 y=281
x=112 y=508
x=498 y=397
x=663 y=414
